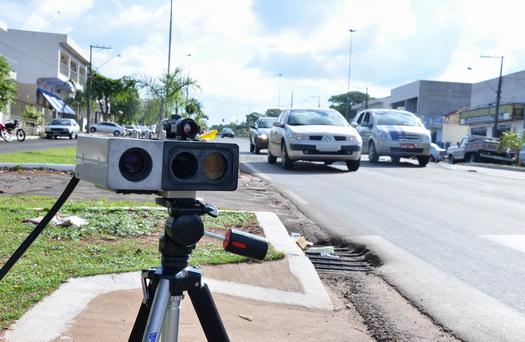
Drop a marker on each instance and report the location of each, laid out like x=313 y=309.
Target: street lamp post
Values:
x=498 y=95
x=349 y=73
x=89 y=80
x=188 y=77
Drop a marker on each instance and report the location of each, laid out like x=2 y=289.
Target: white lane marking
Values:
x=467 y=311
x=296 y=197
x=514 y=241
x=257 y=173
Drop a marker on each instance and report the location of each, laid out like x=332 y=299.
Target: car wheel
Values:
x=271 y=159
x=432 y=159
x=395 y=160
x=76 y=135
x=472 y=158
x=353 y=165
x=286 y=162
x=451 y=159
x=372 y=153
x=48 y=136
x=423 y=161
x=116 y=133
x=70 y=136
x=252 y=147
x=256 y=147
x=92 y=129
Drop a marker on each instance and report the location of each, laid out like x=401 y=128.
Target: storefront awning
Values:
x=56 y=102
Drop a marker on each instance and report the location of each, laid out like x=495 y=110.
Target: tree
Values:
x=274 y=112
x=8 y=88
x=340 y=101
x=121 y=94
x=194 y=109
x=511 y=141
x=251 y=118
x=169 y=89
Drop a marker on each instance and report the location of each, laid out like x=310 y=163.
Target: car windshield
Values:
x=316 y=117
x=227 y=130
x=58 y=122
x=396 y=119
x=266 y=123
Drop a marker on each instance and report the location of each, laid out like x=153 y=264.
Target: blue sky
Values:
x=239 y=47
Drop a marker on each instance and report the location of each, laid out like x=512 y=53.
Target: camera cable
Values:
x=39 y=227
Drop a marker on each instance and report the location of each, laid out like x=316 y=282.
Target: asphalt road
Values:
x=452 y=238
x=32 y=145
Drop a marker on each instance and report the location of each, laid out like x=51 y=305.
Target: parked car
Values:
x=146 y=132
x=313 y=135
x=108 y=127
x=478 y=148
x=258 y=134
x=437 y=153
x=394 y=133
x=133 y=131
x=522 y=155
x=62 y=128
x=227 y=132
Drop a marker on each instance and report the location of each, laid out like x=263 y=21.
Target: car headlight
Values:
x=384 y=135
x=296 y=136
x=263 y=136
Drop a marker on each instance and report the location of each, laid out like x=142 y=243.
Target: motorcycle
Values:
x=11 y=129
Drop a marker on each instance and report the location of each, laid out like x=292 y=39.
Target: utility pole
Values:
x=163 y=108
x=349 y=73
x=188 y=77
x=89 y=80
x=498 y=95
x=366 y=98
x=279 y=92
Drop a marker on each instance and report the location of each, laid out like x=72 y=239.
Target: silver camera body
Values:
x=156 y=166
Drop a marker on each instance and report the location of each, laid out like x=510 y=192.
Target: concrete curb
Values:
x=56 y=167
x=62 y=306
x=486 y=166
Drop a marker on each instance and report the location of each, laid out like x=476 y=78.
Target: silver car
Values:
x=394 y=133
x=313 y=135
x=108 y=127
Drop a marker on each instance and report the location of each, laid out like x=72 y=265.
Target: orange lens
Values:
x=214 y=166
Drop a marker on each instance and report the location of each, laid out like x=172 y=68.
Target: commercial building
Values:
x=430 y=100
x=50 y=68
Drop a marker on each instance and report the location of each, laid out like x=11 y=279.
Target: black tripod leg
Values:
x=209 y=317
x=139 y=326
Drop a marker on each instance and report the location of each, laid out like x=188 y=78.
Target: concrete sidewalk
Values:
x=271 y=301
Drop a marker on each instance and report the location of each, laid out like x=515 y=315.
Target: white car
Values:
x=314 y=135
x=108 y=127
x=133 y=130
x=62 y=128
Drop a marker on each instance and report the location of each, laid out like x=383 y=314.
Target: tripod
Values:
x=164 y=286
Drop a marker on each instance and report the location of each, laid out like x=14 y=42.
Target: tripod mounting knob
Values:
x=185 y=230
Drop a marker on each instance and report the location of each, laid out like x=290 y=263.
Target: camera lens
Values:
x=135 y=164
x=184 y=165
x=214 y=166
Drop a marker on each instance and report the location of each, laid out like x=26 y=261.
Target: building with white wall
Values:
x=49 y=67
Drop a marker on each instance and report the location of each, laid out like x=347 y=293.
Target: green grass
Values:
x=119 y=238
x=63 y=155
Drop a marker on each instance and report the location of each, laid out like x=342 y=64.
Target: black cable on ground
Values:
x=39 y=227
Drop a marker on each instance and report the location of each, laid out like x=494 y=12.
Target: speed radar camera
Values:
x=156 y=166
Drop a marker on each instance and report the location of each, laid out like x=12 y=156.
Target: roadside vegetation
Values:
x=120 y=237
x=63 y=155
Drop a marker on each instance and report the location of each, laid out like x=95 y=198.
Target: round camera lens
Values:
x=214 y=166
x=184 y=165
x=135 y=164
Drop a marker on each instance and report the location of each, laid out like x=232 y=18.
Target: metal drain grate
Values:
x=344 y=259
